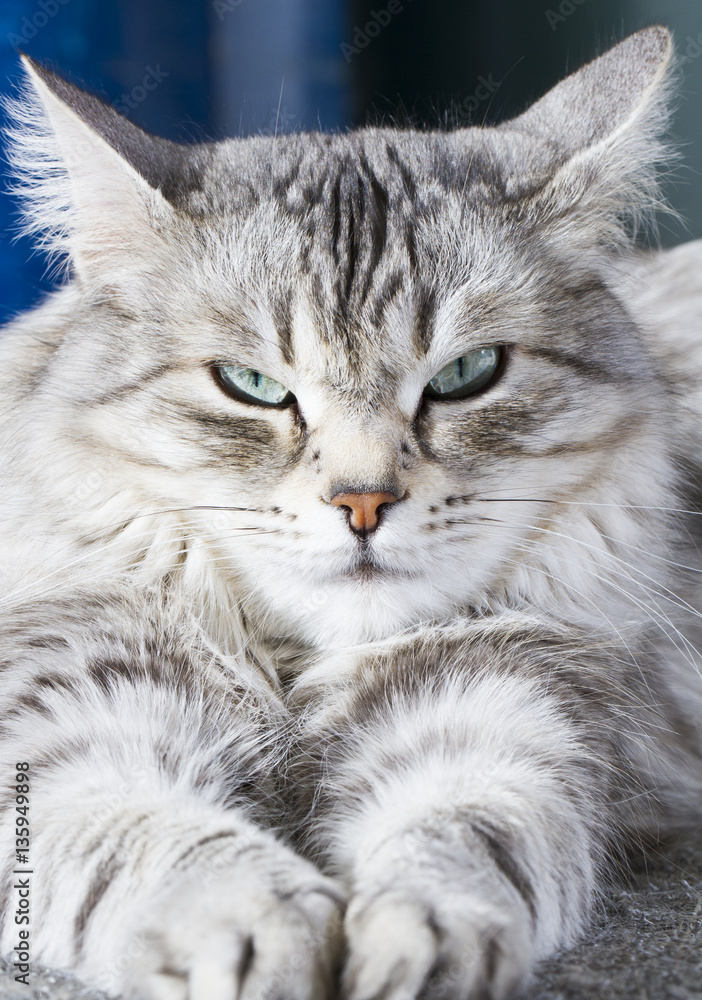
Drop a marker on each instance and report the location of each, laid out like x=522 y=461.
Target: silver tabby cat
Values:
x=348 y=615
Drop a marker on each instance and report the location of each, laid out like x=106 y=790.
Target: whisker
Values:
x=674 y=598
x=599 y=612
x=650 y=613
x=655 y=614
x=95 y=550
x=664 y=592
x=586 y=503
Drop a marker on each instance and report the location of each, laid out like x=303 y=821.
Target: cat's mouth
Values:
x=366 y=568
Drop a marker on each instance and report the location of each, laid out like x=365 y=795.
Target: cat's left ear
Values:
x=90 y=180
x=598 y=134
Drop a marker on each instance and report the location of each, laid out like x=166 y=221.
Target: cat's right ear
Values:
x=600 y=137
x=87 y=177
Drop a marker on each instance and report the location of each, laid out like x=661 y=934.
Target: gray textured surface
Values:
x=645 y=945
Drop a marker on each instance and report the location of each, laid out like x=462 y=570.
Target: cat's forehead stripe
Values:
x=358 y=209
x=358 y=236
x=282 y=321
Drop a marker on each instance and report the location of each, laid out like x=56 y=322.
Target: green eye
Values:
x=466 y=375
x=251 y=387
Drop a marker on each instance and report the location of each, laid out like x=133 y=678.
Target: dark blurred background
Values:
x=207 y=69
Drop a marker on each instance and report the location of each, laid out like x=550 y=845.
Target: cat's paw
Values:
x=268 y=929
x=404 y=943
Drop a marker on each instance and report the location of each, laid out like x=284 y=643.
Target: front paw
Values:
x=403 y=944
x=438 y=913
x=268 y=927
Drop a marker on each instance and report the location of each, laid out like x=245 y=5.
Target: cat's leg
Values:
x=149 y=758
x=468 y=799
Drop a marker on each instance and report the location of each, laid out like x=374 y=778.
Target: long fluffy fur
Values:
x=239 y=718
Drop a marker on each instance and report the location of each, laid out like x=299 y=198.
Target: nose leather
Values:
x=364 y=509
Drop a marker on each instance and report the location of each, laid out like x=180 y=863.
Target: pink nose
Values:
x=364 y=509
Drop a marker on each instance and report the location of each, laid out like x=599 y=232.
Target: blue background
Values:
x=233 y=67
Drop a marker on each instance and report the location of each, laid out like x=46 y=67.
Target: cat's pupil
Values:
x=250 y=386
x=466 y=375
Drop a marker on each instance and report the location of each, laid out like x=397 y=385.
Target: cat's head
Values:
x=381 y=375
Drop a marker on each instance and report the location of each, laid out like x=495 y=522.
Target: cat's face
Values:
x=353 y=306
x=353 y=273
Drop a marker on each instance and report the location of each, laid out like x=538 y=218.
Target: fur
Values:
x=241 y=719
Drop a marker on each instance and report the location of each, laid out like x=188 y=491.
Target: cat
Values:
x=348 y=622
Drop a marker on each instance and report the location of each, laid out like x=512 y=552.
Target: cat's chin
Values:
x=362 y=605
x=354 y=622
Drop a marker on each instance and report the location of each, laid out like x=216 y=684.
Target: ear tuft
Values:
x=604 y=126
x=41 y=181
x=592 y=103
x=158 y=161
x=90 y=181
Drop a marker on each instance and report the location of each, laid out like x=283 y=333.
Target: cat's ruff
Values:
x=348 y=620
